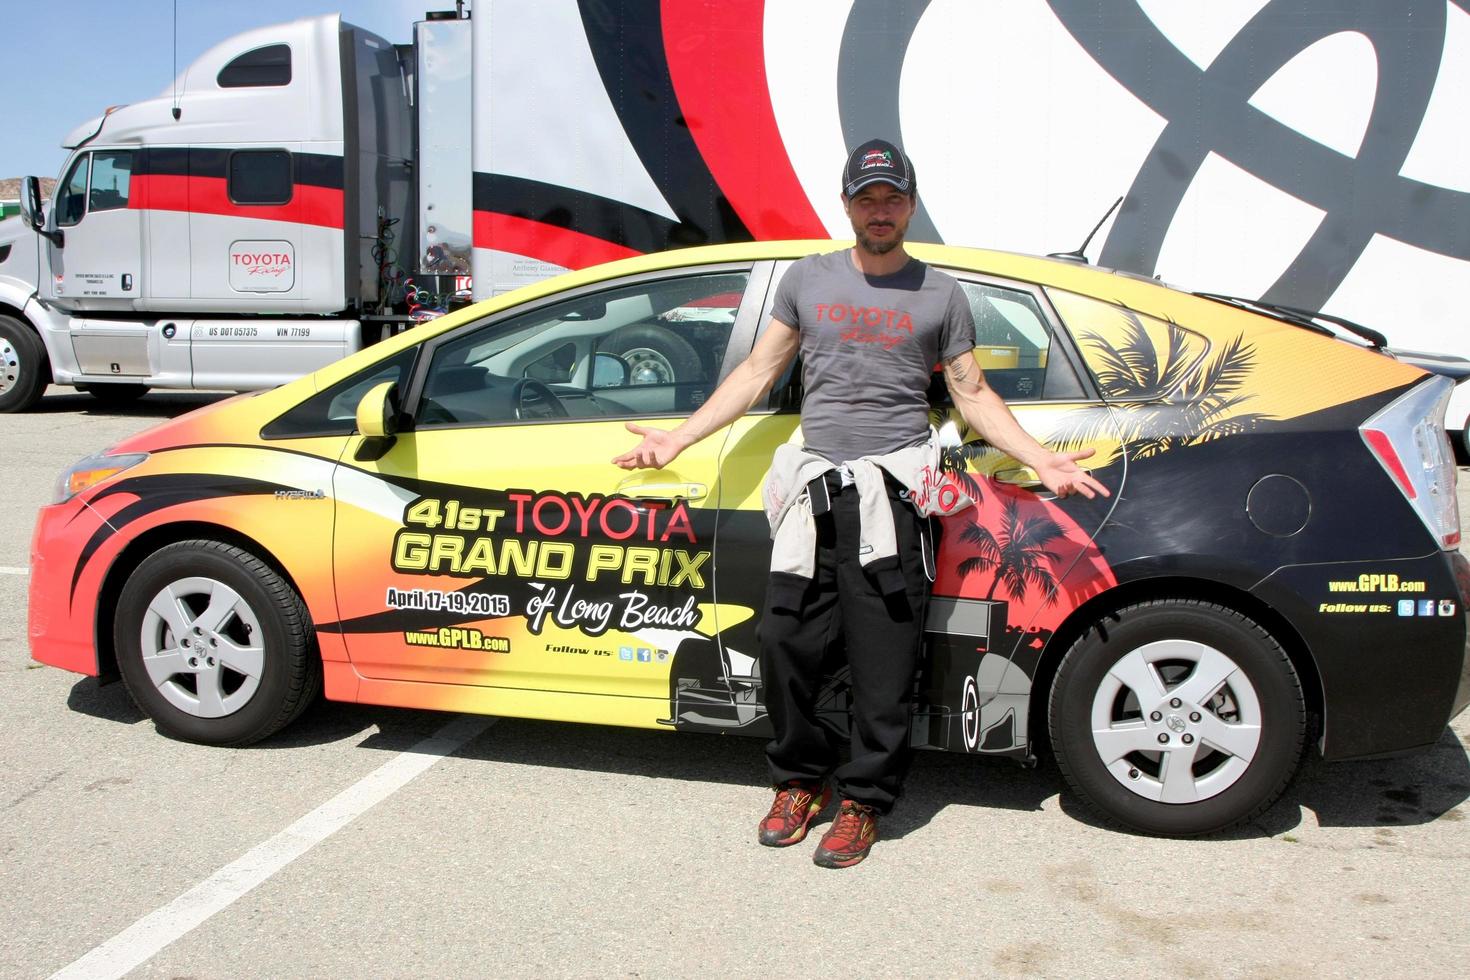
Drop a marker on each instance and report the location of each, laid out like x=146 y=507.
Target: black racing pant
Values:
x=843 y=609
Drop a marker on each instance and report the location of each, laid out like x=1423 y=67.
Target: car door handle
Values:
x=1024 y=477
x=664 y=491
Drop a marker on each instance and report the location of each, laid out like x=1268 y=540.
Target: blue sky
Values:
x=98 y=53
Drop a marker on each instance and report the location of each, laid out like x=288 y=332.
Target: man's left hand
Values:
x=1062 y=476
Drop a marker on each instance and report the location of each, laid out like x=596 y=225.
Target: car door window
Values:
x=1015 y=345
x=641 y=349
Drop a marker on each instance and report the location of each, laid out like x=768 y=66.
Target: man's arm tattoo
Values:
x=963 y=371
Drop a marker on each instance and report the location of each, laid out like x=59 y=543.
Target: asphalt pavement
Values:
x=373 y=842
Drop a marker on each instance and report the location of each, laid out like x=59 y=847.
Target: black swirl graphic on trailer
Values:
x=562 y=207
x=875 y=41
x=1208 y=111
x=627 y=42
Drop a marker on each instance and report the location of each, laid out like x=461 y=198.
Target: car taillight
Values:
x=1409 y=441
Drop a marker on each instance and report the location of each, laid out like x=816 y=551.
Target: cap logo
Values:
x=876 y=158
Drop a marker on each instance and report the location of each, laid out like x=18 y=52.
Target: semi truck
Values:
x=305 y=189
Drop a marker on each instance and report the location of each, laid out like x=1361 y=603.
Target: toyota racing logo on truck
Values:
x=262 y=267
x=263 y=263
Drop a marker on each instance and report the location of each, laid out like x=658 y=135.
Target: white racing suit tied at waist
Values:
x=796 y=473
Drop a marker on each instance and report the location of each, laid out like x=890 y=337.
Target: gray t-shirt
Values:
x=868 y=347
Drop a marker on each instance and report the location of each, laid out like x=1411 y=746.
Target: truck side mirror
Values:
x=30 y=204
x=33 y=214
x=377 y=421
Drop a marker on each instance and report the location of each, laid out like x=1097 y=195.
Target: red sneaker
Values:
x=795 y=806
x=849 y=838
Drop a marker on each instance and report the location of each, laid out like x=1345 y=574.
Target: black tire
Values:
x=24 y=370
x=114 y=394
x=655 y=355
x=1228 y=788
x=290 y=667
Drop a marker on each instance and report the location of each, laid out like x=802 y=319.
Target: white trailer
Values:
x=311 y=186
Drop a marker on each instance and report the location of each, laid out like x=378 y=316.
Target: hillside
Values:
x=10 y=188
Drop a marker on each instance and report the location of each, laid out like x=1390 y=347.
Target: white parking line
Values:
x=7 y=570
x=145 y=938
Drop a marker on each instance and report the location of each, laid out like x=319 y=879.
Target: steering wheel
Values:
x=542 y=402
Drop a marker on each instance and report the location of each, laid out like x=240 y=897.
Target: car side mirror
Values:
x=33 y=214
x=377 y=421
x=609 y=371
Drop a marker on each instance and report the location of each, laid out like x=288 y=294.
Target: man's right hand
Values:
x=657 y=450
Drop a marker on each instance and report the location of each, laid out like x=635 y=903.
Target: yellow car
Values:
x=435 y=522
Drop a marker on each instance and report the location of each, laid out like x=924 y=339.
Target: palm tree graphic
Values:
x=957 y=462
x=1017 y=555
x=1181 y=398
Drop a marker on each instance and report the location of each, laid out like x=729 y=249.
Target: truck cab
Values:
x=229 y=233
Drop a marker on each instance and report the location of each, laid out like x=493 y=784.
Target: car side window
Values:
x=1015 y=346
x=333 y=411
x=642 y=349
x=71 y=199
x=1133 y=356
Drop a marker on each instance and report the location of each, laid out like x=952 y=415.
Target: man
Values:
x=870 y=323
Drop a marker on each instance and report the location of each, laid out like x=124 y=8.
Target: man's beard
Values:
x=878 y=248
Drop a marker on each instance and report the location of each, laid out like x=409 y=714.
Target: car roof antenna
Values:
x=1079 y=255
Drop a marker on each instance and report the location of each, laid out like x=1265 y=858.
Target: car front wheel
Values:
x=1177 y=717
x=214 y=645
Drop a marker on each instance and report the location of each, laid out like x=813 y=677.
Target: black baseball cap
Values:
x=878 y=160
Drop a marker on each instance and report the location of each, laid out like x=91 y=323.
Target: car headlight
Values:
x=91 y=471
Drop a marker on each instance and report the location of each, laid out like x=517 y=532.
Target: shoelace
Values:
x=785 y=802
x=849 y=822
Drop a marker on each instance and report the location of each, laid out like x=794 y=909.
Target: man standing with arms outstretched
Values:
x=870 y=323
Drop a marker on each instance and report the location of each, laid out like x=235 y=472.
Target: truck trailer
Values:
x=305 y=189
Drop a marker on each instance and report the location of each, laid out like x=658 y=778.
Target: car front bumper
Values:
x=66 y=577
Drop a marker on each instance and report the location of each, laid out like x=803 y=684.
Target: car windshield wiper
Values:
x=1300 y=317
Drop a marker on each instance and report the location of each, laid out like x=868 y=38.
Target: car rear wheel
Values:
x=1177 y=717
x=24 y=371
x=214 y=645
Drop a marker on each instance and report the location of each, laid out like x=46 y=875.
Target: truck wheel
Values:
x=114 y=394
x=24 y=371
x=1177 y=717
x=214 y=645
x=655 y=355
